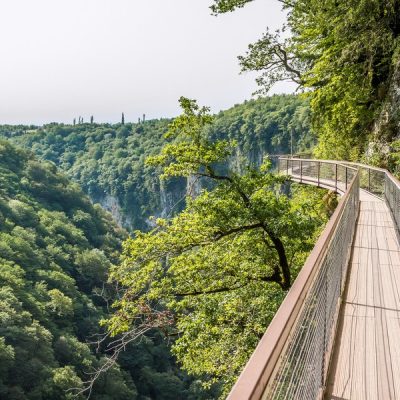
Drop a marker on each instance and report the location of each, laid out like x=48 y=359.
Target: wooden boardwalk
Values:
x=366 y=359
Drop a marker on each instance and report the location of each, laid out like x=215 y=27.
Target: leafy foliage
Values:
x=343 y=53
x=222 y=6
x=222 y=266
x=56 y=249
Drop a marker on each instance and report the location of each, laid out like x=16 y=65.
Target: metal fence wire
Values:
x=303 y=364
x=392 y=197
x=329 y=174
x=383 y=184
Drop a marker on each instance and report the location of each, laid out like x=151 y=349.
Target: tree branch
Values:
x=275 y=278
x=219 y=235
x=283 y=57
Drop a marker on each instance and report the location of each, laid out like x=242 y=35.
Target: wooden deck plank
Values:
x=366 y=358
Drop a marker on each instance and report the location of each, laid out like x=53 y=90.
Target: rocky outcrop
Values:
x=111 y=204
x=387 y=125
x=172 y=193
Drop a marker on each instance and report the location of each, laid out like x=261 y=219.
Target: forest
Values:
x=108 y=161
x=56 y=249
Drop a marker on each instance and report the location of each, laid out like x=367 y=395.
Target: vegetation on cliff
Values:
x=346 y=55
x=109 y=160
x=55 y=252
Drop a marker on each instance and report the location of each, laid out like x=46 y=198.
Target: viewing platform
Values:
x=336 y=336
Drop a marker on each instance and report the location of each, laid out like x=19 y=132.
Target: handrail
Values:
x=375 y=180
x=389 y=187
x=334 y=175
x=264 y=374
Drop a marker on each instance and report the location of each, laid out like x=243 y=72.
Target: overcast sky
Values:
x=62 y=59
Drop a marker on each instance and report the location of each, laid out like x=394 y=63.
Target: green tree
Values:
x=64 y=379
x=93 y=266
x=344 y=53
x=59 y=303
x=217 y=272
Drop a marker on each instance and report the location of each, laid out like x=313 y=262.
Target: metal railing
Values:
x=383 y=184
x=303 y=366
x=392 y=196
x=292 y=359
x=336 y=175
x=324 y=173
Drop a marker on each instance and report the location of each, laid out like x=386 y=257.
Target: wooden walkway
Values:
x=366 y=358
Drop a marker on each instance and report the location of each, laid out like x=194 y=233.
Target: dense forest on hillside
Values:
x=108 y=160
x=55 y=252
x=216 y=271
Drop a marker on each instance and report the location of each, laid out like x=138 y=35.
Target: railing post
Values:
x=336 y=166
x=318 y=170
x=287 y=166
x=369 y=179
x=346 y=178
x=301 y=171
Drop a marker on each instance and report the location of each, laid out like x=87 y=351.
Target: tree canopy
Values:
x=56 y=250
x=343 y=54
x=217 y=272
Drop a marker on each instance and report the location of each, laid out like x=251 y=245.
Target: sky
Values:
x=61 y=59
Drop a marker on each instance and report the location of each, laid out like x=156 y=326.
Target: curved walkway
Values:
x=366 y=357
x=365 y=363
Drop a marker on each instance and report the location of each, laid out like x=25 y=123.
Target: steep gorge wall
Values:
x=171 y=197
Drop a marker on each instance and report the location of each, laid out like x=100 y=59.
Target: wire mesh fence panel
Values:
x=302 y=369
x=372 y=180
x=327 y=174
x=351 y=172
x=327 y=171
x=364 y=178
x=296 y=168
x=376 y=182
x=309 y=169
x=392 y=197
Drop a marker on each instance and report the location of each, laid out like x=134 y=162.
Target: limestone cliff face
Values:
x=387 y=124
x=172 y=195
x=386 y=127
x=111 y=204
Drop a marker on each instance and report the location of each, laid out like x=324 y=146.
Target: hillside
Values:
x=108 y=160
x=55 y=252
